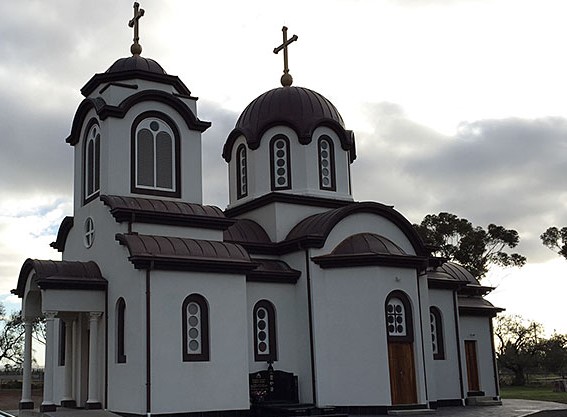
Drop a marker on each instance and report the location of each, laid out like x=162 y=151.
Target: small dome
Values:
x=367 y=243
x=136 y=63
x=301 y=109
x=453 y=271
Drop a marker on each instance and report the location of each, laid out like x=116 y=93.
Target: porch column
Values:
x=68 y=400
x=48 y=404
x=26 y=403
x=93 y=401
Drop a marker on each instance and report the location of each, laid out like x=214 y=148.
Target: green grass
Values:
x=540 y=393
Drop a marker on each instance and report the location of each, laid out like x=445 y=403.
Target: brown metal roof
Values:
x=64 y=229
x=299 y=108
x=367 y=243
x=136 y=63
x=68 y=275
x=249 y=234
x=273 y=270
x=155 y=211
x=477 y=306
x=164 y=252
x=313 y=230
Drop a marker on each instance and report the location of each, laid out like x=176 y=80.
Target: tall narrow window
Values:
x=265 y=346
x=326 y=154
x=120 y=330
x=241 y=172
x=399 y=324
x=280 y=163
x=437 y=342
x=155 y=157
x=92 y=162
x=195 y=328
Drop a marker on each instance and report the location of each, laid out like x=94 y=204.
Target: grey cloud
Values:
x=503 y=171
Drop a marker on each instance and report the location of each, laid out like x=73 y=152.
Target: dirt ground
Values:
x=10 y=398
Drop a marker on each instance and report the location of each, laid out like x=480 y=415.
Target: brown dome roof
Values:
x=301 y=109
x=136 y=63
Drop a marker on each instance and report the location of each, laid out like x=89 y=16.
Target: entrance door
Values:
x=472 y=365
x=402 y=373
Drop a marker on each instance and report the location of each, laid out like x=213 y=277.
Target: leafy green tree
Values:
x=472 y=246
x=556 y=240
x=519 y=346
x=554 y=354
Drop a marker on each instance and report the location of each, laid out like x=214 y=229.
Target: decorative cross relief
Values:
x=286 y=79
x=136 y=48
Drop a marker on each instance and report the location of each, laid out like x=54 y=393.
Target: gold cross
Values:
x=286 y=77
x=136 y=48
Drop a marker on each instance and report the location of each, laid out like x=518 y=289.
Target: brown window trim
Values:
x=120 y=330
x=239 y=193
x=204 y=356
x=92 y=197
x=408 y=313
x=273 y=355
x=333 y=185
x=274 y=186
x=440 y=355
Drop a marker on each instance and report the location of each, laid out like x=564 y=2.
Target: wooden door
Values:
x=402 y=373
x=472 y=365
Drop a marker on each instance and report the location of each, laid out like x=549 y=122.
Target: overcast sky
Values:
x=457 y=105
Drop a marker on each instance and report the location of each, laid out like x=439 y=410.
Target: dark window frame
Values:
x=120 y=330
x=239 y=193
x=403 y=297
x=439 y=336
x=272 y=334
x=62 y=343
x=204 y=356
x=176 y=192
x=87 y=174
x=332 y=167
x=274 y=186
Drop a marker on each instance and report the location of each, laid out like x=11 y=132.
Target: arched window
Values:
x=155 y=156
x=437 y=341
x=326 y=152
x=280 y=163
x=120 y=330
x=241 y=172
x=92 y=161
x=399 y=322
x=265 y=346
x=195 y=327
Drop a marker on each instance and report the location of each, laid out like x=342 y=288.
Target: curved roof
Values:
x=61 y=275
x=246 y=231
x=175 y=253
x=155 y=211
x=315 y=229
x=64 y=229
x=273 y=270
x=136 y=63
x=301 y=109
x=131 y=68
x=453 y=271
x=367 y=243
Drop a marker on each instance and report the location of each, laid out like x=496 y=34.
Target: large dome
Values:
x=296 y=107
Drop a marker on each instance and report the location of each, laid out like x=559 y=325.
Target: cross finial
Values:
x=286 y=79
x=136 y=48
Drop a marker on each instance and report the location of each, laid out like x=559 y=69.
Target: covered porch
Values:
x=71 y=297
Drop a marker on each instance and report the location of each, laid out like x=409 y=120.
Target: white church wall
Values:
x=425 y=363
x=447 y=378
x=226 y=374
x=282 y=296
x=478 y=328
x=351 y=351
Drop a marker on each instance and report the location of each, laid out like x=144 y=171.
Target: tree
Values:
x=473 y=247
x=554 y=355
x=556 y=240
x=519 y=347
x=12 y=337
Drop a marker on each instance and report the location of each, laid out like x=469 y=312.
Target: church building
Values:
x=295 y=299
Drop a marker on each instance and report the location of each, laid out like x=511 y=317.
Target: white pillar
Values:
x=26 y=403
x=93 y=402
x=68 y=400
x=48 y=404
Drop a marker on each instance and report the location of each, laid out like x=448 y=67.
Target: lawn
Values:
x=540 y=393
